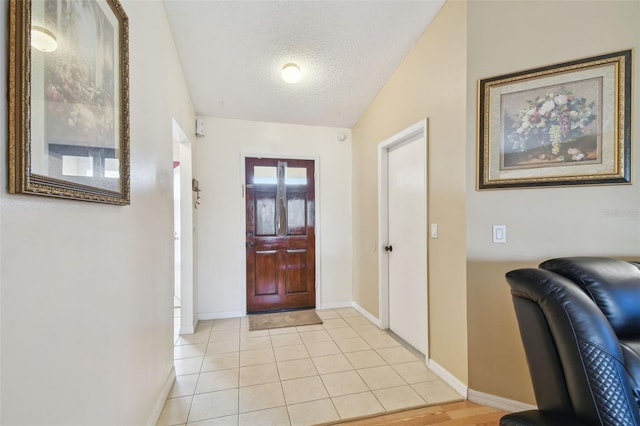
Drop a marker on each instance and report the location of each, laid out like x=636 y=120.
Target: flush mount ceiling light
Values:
x=43 y=39
x=291 y=73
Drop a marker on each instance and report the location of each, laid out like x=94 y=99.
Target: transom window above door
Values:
x=268 y=175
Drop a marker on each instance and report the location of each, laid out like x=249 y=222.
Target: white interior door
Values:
x=407 y=240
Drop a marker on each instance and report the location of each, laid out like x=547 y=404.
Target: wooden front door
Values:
x=280 y=234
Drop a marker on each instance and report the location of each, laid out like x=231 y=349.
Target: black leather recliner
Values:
x=579 y=320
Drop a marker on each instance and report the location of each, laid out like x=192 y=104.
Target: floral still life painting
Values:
x=556 y=127
x=564 y=124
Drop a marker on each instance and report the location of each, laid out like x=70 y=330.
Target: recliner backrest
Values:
x=590 y=370
x=613 y=284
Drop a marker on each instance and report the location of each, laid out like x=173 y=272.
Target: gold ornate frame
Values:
x=563 y=124
x=69 y=112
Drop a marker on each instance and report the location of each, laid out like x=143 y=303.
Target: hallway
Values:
x=346 y=367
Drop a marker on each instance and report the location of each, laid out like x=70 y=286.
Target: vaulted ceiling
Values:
x=233 y=52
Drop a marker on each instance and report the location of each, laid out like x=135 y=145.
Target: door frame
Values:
x=416 y=131
x=243 y=228
x=183 y=150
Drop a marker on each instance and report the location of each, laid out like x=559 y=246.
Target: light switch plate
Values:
x=500 y=234
x=434 y=230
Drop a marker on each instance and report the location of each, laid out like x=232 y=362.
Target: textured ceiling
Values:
x=232 y=53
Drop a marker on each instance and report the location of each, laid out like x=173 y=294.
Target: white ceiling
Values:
x=232 y=53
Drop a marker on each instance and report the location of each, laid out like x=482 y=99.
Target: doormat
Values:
x=283 y=319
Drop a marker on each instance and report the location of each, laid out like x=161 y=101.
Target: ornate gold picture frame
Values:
x=69 y=100
x=564 y=124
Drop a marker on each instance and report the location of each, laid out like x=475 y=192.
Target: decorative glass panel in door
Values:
x=280 y=234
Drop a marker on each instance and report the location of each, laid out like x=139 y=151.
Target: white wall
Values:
x=221 y=217
x=86 y=289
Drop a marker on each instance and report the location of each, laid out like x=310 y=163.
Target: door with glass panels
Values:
x=280 y=234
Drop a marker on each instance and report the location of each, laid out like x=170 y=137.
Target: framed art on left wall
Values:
x=69 y=100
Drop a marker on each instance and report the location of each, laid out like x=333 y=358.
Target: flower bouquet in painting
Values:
x=80 y=91
x=551 y=126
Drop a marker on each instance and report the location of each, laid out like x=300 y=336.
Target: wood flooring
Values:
x=454 y=414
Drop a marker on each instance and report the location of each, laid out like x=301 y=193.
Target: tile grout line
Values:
x=284 y=397
x=333 y=337
x=240 y=332
x=206 y=347
x=387 y=363
x=354 y=369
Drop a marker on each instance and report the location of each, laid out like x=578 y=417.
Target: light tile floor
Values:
x=346 y=367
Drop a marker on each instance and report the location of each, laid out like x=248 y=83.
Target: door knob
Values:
x=388 y=248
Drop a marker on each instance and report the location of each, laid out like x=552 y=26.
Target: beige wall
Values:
x=429 y=83
x=472 y=324
x=87 y=309
x=505 y=37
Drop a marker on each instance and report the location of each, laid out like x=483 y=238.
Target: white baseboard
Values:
x=449 y=378
x=187 y=329
x=164 y=393
x=498 y=402
x=366 y=314
x=333 y=305
x=221 y=315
